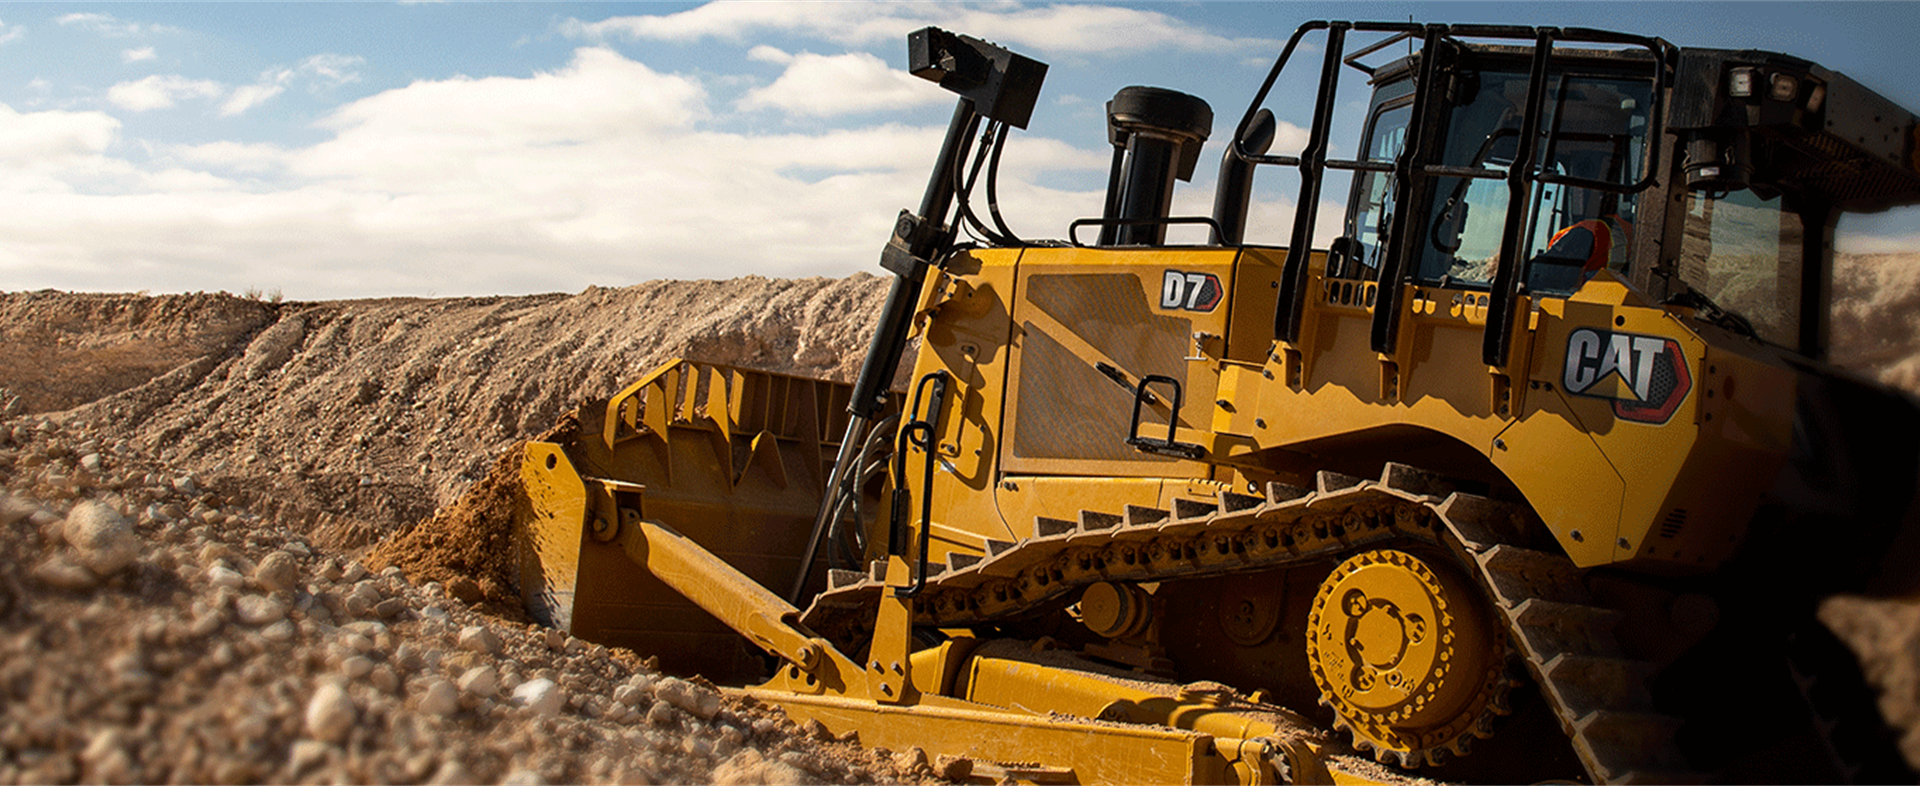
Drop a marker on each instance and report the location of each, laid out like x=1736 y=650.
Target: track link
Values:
x=1564 y=639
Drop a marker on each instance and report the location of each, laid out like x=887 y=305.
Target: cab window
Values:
x=1371 y=210
x=1593 y=128
x=1744 y=252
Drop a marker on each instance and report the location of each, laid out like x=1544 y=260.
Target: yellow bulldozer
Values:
x=1537 y=471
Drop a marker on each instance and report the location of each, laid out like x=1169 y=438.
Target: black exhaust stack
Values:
x=1235 y=188
x=1156 y=135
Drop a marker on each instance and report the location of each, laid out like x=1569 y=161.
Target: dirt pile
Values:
x=62 y=350
x=350 y=419
x=180 y=601
x=1876 y=317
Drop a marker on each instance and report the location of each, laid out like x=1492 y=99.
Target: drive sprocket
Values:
x=1406 y=655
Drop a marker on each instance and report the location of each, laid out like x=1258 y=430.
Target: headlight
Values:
x=1785 y=86
x=1740 y=82
x=1816 y=96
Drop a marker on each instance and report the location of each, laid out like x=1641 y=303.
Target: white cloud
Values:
x=161 y=92
x=768 y=54
x=246 y=97
x=823 y=85
x=1084 y=29
x=51 y=151
x=110 y=26
x=233 y=156
x=602 y=172
x=11 y=32
x=137 y=55
x=330 y=70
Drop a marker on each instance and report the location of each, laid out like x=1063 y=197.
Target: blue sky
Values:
x=357 y=149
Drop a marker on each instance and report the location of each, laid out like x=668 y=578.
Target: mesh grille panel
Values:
x=1067 y=409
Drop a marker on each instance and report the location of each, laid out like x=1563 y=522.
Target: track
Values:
x=1562 y=637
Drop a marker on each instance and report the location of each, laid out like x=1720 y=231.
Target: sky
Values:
x=336 y=150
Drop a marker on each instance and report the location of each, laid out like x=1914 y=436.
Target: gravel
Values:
x=229 y=649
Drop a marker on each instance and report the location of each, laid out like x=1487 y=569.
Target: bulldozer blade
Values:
x=732 y=459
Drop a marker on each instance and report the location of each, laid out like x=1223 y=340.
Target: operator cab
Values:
x=1726 y=207
x=1595 y=130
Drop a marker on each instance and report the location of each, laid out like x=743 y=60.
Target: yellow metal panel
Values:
x=1095 y=753
x=967 y=338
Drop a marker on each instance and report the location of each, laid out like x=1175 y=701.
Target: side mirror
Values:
x=1343 y=250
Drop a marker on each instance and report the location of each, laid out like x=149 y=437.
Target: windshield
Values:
x=1593 y=129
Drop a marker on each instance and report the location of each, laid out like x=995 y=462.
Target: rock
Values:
x=330 y=713
x=61 y=573
x=106 y=759
x=953 y=768
x=383 y=678
x=522 y=777
x=277 y=572
x=353 y=572
x=104 y=539
x=912 y=759
x=390 y=608
x=816 y=730
x=91 y=462
x=186 y=485
x=629 y=695
x=464 y=589
x=279 y=631
x=660 y=714
x=480 y=681
x=357 y=642
x=451 y=773
x=356 y=666
x=409 y=657
x=307 y=753
x=257 y=610
x=441 y=699
x=540 y=695
x=702 y=703
x=215 y=552
x=223 y=576
x=477 y=638
x=750 y=766
x=14 y=509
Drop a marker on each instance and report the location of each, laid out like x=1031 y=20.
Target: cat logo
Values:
x=1190 y=291
x=1644 y=376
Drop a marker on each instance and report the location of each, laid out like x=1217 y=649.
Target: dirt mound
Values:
x=1876 y=317
x=61 y=350
x=352 y=419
